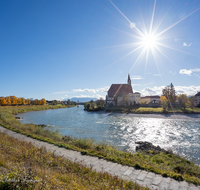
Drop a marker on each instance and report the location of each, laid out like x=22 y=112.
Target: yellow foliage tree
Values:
x=13 y=100
x=2 y=101
x=8 y=101
x=19 y=101
x=43 y=101
x=164 y=102
x=22 y=101
x=28 y=102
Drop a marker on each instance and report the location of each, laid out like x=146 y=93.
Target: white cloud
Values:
x=89 y=96
x=186 y=72
x=148 y=91
x=157 y=90
x=189 y=72
x=184 y=44
x=136 y=77
x=85 y=90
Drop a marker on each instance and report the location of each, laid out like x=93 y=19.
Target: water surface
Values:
x=181 y=133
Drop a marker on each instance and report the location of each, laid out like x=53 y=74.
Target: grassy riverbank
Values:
x=161 y=163
x=23 y=166
x=150 y=110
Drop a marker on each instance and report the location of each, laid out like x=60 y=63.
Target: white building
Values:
x=150 y=99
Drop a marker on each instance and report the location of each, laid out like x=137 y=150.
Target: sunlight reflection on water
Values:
x=181 y=135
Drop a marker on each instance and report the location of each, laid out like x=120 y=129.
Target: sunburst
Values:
x=150 y=41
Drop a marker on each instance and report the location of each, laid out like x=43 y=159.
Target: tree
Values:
x=68 y=101
x=170 y=93
x=125 y=100
x=22 y=101
x=101 y=102
x=192 y=102
x=13 y=100
x=116 y=100
x=8 y=101
x=43 y=101
x=183 y=100
x=2 y=101
x=164 y=102
x=19 y=101
x=28 y=102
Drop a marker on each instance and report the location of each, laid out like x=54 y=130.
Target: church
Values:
x=122 y=95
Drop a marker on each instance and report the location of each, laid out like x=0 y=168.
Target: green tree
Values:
x=183 y=100
x=68 y=101
x=170 y=93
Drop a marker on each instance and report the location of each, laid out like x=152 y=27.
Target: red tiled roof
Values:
x=119 y=89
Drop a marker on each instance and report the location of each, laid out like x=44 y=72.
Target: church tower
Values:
x=129 y=80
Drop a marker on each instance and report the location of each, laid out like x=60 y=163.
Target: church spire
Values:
x=129 y=80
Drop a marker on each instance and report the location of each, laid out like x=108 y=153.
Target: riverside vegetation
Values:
x=23 y=166
x=166 y=164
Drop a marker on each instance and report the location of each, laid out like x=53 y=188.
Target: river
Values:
x=181 y=133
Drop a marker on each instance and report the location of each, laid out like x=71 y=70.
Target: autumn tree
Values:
x=13 y=100
x=22 y=101
x=8 y=101
x=43 y=101
x=2 y=101
x=164 y=102
x=28 y=102
x=19 y=101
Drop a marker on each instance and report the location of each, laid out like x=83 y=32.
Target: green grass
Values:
x=169 y=165
x=149 y=110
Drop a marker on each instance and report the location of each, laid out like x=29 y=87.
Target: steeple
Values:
x=129 y=80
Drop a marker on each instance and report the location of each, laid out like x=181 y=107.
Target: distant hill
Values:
x=83 y=99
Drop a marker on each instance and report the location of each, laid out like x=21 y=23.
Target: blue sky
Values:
x=64 y=49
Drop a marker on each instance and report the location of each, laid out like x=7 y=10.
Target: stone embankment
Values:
x=144 y=178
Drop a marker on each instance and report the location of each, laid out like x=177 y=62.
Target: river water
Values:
x=181 y=133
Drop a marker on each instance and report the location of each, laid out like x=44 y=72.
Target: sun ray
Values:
x=177 y=22
x=127 y=18
x=137 y=59
x=152 y=17
x=124 y=56
x=161 y=20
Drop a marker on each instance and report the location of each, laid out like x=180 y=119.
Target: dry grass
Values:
x=23 y=166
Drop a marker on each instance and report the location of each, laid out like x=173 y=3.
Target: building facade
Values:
x=122 y=95
x=197 y=98
x=151 y=99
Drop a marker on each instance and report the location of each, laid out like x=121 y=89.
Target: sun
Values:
x=149 y=41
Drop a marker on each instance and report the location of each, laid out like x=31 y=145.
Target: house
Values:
x=197 y=98
x=122 y=94
x=150 y=99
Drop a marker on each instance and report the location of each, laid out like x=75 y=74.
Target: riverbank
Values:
x=157 y=162
x=24 y=166
x=151 y=110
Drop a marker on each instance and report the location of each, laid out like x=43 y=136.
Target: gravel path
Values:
x=153 y=181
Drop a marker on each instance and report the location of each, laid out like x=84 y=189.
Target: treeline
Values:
x=97 y=105
x=13 y=101
x=169 y=99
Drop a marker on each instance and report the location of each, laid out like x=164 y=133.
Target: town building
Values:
x=197 y=98
x=122 y=94
x=150 y=99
